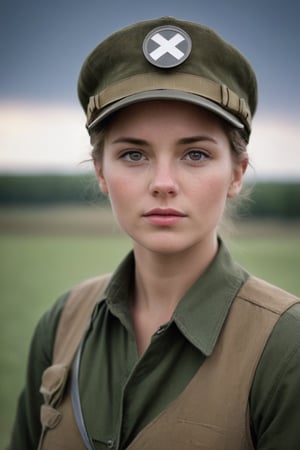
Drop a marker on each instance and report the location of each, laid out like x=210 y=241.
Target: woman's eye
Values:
x=133 y=155
x=195 y=155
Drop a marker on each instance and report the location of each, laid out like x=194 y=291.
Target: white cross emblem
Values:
x=167 y=46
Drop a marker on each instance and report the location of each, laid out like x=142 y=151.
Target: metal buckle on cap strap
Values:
x=243 y=109
x=233 y=102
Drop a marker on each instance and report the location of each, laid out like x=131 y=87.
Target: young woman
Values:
x=185 y=349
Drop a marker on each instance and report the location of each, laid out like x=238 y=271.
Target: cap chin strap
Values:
x=188 y=83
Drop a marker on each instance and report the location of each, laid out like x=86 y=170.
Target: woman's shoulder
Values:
x=73 y=302
x=266 y=295
x=285 y=335
x=276 y=385
x=45 y=331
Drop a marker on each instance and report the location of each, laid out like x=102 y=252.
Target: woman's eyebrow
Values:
x=182 y=141
x=192 y=139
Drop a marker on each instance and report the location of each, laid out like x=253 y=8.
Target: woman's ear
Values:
x=238 y=173
x=100 y=177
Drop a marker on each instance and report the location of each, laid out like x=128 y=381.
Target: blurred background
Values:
x=55 y=227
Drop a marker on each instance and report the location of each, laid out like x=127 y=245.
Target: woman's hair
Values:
x=238 y=145
x=97 y=142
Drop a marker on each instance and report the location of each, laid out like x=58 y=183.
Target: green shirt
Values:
x=120 y=392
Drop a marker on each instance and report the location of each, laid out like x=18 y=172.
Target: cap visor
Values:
x=166 y=94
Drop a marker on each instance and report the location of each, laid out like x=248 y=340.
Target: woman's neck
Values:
x=161 y=280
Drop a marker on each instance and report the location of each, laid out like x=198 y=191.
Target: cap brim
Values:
x=166 y=94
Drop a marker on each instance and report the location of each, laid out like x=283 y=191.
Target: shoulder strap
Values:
x=56 y=413
x=267 y=296
x=75 y=318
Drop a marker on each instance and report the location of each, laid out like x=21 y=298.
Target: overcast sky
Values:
x=43 y=44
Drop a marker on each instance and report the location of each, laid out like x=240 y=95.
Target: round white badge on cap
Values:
x=167 y=46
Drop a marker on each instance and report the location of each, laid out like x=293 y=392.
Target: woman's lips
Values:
x=164 y=216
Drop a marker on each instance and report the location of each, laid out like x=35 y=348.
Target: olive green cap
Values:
x=167 y=58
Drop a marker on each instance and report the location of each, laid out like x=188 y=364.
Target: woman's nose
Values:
x=163 y=181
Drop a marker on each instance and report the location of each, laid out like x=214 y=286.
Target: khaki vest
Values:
x=212 y=412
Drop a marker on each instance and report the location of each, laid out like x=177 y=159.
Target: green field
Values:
x=37 y=268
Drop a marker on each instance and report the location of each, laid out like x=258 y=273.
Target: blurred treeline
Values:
x=268 y=199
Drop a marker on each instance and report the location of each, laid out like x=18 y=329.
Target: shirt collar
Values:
x=202 y=311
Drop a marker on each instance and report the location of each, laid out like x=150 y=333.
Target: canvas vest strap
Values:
x=212 y=411
x=59 y=430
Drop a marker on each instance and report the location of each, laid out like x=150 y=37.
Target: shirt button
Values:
x=110 y=443
x=161 y=329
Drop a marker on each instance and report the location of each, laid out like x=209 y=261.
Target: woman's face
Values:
x=168 y=170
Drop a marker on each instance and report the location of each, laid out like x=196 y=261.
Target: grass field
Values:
x=37 y=267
